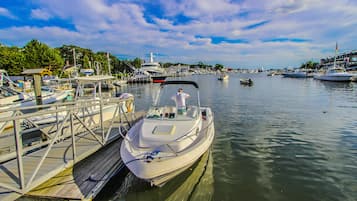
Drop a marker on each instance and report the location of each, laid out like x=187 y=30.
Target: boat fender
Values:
x=128 y=104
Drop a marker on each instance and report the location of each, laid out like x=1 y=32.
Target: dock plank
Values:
x=78 y=182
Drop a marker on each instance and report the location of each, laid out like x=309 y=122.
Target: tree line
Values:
x=36 y=54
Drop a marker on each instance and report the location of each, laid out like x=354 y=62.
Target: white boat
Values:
x=336 y=74
x=93 y=111
x=246 y=81
x=298 y=74
x=153 y=68
x=30 y=100
x=167 y=142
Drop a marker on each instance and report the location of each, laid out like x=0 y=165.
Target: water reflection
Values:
x=282 y=139
x=332 y=86
x=196 y=183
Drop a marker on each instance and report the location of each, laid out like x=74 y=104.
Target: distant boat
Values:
x=246 y=81
x=271 y=74
x=223 y=76
x=335 y=73
x=298 y=74
x=87 y=71
x=154 y=69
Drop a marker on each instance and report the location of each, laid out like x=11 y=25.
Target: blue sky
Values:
x=235 y=33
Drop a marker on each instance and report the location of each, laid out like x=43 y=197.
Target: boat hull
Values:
x=335 y=78
x=158 y=79
x=296 y=75
x=159 y=167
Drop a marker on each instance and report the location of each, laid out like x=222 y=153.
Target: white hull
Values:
x=158 y=164
x=46 y=100
x=297 y=75
x=335 y=78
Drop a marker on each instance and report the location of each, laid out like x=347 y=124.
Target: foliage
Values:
x=39 y=55
x=36 y=54
x=136 y=62
x=218 y=67
x=310 y=64
x=12 y=59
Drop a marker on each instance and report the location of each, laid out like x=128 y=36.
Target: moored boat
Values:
x=223 y=76
x=169 y=139
x=246 y=81
x=335 y=74
x=298 y=74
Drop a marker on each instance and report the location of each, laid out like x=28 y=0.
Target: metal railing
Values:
x=59 y=122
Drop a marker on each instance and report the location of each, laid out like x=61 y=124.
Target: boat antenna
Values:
x=336 y=50
x=151 y=57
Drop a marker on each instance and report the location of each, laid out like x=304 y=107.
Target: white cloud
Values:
x=127 y=27
x=40 y=14
x=6 y=13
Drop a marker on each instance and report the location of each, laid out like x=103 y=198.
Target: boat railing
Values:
x=69 y=124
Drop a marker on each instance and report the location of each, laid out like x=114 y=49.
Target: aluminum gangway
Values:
x=69 y=132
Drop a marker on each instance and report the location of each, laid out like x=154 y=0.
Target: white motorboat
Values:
x=336 y=74
x=168 y=140
x=153 y=68
x=92 y=111
x=298 y=74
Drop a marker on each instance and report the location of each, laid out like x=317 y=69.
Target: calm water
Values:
x=280 y=139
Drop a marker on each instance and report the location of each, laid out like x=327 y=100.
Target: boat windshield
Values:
x=170 y=104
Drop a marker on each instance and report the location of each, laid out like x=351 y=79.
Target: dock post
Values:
x=18 y=141
x=37 y=86
x=101 y=110
x=73 y=140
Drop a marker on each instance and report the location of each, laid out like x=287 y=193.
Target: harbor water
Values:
x=279 y=139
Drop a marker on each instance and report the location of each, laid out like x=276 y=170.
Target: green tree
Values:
x=12 y=59
x=39 y=55
x=218 y=67
x=309 y=64
x=136 y=62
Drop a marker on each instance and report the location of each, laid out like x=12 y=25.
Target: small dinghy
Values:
x=170 y=138
x=246 y=81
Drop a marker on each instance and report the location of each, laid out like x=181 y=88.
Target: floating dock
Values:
x=76 y=156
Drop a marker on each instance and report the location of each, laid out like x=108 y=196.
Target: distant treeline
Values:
x=36 y=54
x=310 y=64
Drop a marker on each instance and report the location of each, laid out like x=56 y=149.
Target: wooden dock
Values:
x=84 y=180
x=74 y=167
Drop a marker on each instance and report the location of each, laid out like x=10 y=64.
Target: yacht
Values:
x=298 y=74
x=167 y=140
x=337 y=74
x=154 y=69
